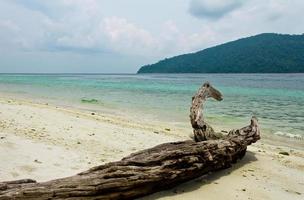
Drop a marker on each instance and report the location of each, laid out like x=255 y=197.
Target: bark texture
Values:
x=145 y=172
x=202 y=130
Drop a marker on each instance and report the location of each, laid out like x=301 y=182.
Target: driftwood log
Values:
x=202 y=130
x=142 y=173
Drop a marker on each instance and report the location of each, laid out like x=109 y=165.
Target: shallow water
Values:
x=276 y=99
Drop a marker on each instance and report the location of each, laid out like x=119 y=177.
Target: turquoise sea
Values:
x=276 y=99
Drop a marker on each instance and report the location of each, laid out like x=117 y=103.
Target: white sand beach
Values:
x=43 y=141
x=117 y=99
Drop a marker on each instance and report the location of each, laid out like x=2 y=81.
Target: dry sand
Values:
x=44 y=142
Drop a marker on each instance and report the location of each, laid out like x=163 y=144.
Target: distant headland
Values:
x=263 y=53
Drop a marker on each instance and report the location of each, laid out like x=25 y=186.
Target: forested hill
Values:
x=264 y=53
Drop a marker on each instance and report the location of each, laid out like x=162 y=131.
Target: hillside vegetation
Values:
x=264 y=53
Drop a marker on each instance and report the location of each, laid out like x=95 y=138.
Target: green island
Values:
x=263 y=53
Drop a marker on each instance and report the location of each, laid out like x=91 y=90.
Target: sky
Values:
x=119 y=36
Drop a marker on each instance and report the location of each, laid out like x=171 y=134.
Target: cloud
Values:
x=9 y=30
x=125 y=36
x=213 y=9
x=58 y=25
x=174 y=39
x=58 y=8
x=79 y=26
x=95 y=29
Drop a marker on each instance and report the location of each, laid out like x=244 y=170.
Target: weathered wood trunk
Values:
x=202 y=130
x=141 y=173
x=144 y=172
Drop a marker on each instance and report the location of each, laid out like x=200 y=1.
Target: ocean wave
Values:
x=289 y=135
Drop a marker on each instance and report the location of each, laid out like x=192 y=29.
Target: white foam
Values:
x=290 y=135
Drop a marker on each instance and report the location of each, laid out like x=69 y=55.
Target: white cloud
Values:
x=176 y=41
x=87 y=26
x=125 y=36
x=9 y=30
x=9 y=25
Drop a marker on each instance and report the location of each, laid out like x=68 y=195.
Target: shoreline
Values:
x=143 y=120
x=44 y=141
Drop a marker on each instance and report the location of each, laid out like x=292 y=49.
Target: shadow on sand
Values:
x=203 y=180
